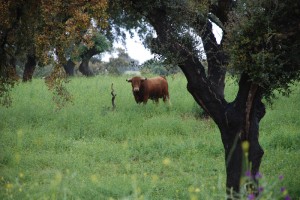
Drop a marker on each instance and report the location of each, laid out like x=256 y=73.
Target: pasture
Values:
x=89 y=151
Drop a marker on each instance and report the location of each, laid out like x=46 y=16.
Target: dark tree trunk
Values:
x=234 y=124
x=29 y=68
x=84 y=66
x=256 y=152
x=69 y=67
x=242 y=124
x=237 y=121
x=8 y=70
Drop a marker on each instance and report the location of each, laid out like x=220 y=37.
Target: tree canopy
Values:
x=263 y=41
x=121 y=63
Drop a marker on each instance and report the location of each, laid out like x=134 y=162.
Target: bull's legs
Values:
x=166 y=98
x=145 y=99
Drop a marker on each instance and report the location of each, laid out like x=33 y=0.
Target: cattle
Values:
x=149 y=88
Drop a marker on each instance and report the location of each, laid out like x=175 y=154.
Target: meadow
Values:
x=87 y=150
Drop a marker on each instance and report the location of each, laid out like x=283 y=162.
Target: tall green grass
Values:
x=87 y=150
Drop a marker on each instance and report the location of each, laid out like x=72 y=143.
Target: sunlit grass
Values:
x=88 y=151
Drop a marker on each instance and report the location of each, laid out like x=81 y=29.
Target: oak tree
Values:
x=100 y=45
x=260 y=45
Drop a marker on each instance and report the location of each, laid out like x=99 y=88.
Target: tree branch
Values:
x=215 y=59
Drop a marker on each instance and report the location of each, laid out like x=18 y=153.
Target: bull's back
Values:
x=157 y=87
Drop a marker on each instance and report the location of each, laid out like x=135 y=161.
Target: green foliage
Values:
x=263 y=41
x=100 y=44
x=56 y=83
x=121 y=63
x=6 y=86
x=156 y=66
x=43 y=71
x=88 y=151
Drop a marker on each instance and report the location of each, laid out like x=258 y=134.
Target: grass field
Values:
x=88 y=151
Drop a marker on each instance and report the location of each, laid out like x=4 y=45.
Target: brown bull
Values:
x=149 y=88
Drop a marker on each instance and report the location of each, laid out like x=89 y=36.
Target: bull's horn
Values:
x=129 y=80
x=144 y=78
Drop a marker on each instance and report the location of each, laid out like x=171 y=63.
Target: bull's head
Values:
x=136 y=83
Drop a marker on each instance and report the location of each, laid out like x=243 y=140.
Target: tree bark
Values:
x=84 y=66
x=256 y=152
x=69 y=67
x=8 y=70
x=242 y=124
x=29 y=68
x=7 y=52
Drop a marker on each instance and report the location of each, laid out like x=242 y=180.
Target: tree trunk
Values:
x=29 y=68
x=242 y=124
x=69 y=67
x=235 y=127
x=8 y=79
x=84 y=66
x=8 y=70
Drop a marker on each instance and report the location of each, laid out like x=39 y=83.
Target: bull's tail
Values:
x=168 y=100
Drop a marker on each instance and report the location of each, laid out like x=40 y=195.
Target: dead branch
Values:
x=113 y=96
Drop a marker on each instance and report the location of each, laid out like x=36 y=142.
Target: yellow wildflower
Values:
x=94 y=178
x=21 y=175
x=167 y=161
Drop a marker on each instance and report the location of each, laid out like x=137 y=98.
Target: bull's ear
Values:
x=129 y=80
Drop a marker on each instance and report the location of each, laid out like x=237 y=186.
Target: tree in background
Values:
x=29 y=67
x=101 y=44
x=42 y=27
x=261 y=43
x=121 y=63
x=81 y=53
x=159 y=66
